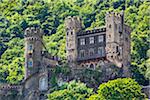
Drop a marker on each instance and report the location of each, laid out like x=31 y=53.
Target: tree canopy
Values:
x=119 y=89
x=71 y=91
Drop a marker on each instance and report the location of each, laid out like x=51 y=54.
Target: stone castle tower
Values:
x=117 y=40
x=38 y=65
x=33 y=50
x=36 y=75
x=73 y=25
x=108 y=44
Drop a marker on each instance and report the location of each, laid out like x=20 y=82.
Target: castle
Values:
x=101 y=46
x=109 y=45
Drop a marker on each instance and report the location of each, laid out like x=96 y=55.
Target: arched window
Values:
x=71 y=33
x=82 y=66
x=92 y=66
x=43 y=83
x=67 y=33
x=30 y=63
x=30 y=47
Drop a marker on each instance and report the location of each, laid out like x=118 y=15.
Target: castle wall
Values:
x=11 y=92
x=87 y=47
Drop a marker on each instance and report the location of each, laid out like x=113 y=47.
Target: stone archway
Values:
x=92 y=66
x=82 y=65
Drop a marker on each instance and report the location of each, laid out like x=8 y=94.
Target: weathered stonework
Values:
x=37 y=70
x=110 y=43
x=92 y=57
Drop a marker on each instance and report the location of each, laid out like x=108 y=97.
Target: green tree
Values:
x=71 y=91
x=119 y=89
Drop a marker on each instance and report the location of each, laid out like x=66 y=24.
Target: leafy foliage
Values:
x=71 y=91
x=118 y=89
x=11 y=69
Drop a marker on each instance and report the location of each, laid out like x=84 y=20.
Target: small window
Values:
x=91 y=51
x=117 y=49
x=115 y=26
x=120 y=50
x=71 y=33
x=82 y=53
x=82 y=41
x=91 y=40
x=126 y=39
x=30 y=63
x=30 y=47
x=92 y=66
x=101 y=51
x=100 y=38
x=67 y=33
x=110 y=26
x=120 y=34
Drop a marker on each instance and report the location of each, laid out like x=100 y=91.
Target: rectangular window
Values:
x=82 y=41
x=30 y=47
x=117 y=49
x=101 y=51
x=91 y=51
x=100 y=38
x=120 y=50
x=82 y=53
x=91 y=40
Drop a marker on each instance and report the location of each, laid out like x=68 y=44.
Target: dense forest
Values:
x=17 y=15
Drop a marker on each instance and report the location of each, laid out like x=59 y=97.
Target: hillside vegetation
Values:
x=17 y=15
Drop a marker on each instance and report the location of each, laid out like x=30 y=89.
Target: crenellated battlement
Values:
x=8 y=86
x=99 y=30
x=33 y=32
x=73 y=22
x=115 y=14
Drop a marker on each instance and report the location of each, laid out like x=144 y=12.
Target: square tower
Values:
x=73 y=26
x=33 y=50
x=117 y=39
